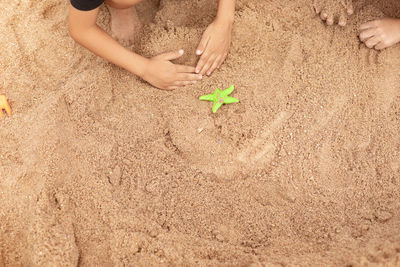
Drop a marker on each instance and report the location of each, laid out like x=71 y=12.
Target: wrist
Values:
x=226 y=11
x=138 y=65
x=226 y=19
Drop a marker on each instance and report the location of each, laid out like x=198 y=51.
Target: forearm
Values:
x=103 y=45
x=226 y=10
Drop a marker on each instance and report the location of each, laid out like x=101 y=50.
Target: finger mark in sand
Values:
x=323 y=117
x=262 y=147
x=115 y=176
x=152 y=186
x=169 y=143
x=368 y=57
x=387 y=89
x=383 y=216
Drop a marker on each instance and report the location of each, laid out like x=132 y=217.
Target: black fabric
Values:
x=86 y=5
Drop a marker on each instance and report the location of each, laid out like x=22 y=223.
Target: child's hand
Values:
x=163 y=74
x=380 y=34
x=334 y=11
x=214 y=47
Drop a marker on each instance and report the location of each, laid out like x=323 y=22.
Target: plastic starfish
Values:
x=4 y=105
x=220 y=97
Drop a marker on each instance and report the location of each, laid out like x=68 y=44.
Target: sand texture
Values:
x=98 y=168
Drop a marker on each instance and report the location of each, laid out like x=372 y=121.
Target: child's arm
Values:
x=158 y=71
x=216 y=40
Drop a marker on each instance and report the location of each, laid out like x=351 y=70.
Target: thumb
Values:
x=172 y=55
x=202 y=46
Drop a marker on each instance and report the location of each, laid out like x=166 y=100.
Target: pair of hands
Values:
x=213 y=49
x=378 y=34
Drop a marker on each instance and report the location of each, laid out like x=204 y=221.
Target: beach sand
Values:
x=98 y=168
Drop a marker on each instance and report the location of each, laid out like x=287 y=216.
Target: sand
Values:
x=98 y=168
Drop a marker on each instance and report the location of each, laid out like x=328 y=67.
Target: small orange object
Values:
x=4 y=105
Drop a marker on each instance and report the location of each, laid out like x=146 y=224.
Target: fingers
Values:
x=371 y=42
x=323 y=15
x=368 y=25
x=366 y=34
x=184 y=79
x=189 y=77
x=202 y=46
x=207 y=65
x=202 y=61
x=214 y=65
x=185 y=69
x=204 y=55
x=222 y=60
x=180 y=84
x=317 y=9
x=172 y=55
x=181 y=76
x=381 y=45
x=329 y=19
x=342 y=19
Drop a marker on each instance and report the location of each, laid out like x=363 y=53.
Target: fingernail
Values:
x=198 y=52
x=197 y=71
x=201 y=76
x=208 y=73
x=181 y=51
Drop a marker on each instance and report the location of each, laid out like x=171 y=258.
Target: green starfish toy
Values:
x=220 y=97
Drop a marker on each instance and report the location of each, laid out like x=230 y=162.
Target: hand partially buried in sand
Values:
x=215 y=43
x=159 y=70
x=380 y=34
x=334 y=11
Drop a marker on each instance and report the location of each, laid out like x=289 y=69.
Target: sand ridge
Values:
x=99 y=168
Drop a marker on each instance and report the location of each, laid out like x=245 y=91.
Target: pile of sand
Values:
x=99 y=168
